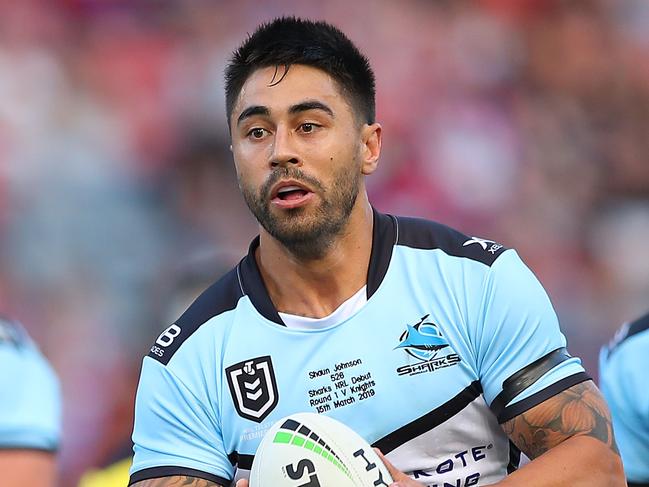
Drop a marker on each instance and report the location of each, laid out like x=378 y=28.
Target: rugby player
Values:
x=441 y=349
x=622 y=367
x=30 y=411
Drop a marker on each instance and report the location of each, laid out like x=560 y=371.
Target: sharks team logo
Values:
x=424 y=341
x=253 y=388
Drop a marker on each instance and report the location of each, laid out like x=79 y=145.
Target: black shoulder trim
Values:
x=220 y=297
x=636 y=484
x=424 y=234
x=638 y=326
x=170 y=471
x=430 y=420
x=627 y=330
x=384 y=237
x=524 y=378
x=537 y=398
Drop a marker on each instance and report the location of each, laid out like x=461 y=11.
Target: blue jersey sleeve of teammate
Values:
x=520 y=349
x=30 y=409
x=623 y=370
x=176 y=416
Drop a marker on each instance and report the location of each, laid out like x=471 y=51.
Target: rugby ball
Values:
x=312 y=450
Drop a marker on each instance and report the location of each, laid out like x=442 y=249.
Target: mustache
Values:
x=289 y=173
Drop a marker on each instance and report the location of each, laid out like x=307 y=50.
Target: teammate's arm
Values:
x=176 y=481
x=27 y=467
x=29 y=411
x=182 y=480
x=569 y=438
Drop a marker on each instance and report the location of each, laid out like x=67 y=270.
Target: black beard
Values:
x=306 y=236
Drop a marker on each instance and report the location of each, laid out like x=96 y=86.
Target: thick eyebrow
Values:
x=310 y=105
x=297 y=108
x=252 y=111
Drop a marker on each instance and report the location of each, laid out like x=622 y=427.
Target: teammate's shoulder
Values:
x=220 y=297
x=628 y=331
x=419 y=233
x=12 y=334
x=641 y=325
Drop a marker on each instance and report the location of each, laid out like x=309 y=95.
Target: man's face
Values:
x=297 y=149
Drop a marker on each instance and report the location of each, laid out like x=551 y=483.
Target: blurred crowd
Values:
x=521 y=121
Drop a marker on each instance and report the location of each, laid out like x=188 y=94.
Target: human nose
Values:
x=283 y=152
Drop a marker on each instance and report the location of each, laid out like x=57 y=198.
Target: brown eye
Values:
x=256 y=133
x=307 y=128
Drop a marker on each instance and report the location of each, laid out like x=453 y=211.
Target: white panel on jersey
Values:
x=468 y=449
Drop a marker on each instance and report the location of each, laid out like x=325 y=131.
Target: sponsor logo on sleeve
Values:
x=487 y=245
x=166 y=339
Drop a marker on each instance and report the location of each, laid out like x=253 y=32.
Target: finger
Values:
x=395 y=473
x=242 y=483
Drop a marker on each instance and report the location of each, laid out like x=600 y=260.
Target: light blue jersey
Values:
x=623 y=367
x=30 y=408
x=425 y=370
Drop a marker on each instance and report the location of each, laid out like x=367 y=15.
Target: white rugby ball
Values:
x=312 y=450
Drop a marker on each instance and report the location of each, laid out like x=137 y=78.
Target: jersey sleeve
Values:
x=176 y=429
x=623 y=379
x=30 y=409
x=522 y=359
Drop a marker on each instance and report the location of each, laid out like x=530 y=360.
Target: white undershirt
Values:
x=340 y=314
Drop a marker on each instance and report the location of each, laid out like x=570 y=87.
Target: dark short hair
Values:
x=289 y=40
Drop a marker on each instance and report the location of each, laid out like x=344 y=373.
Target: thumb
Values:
x=396 y=474
x=242 y=483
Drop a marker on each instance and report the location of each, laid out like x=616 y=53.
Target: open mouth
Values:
x=291 y=193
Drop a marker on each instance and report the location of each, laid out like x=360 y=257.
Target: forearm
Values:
x=27 y=467
x=577 y=461
x=176 y=481
x=569 y=438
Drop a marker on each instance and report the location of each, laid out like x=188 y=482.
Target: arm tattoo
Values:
x=577 y=411
x=176 y=481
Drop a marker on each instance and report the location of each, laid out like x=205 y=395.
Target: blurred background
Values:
x=522 y=121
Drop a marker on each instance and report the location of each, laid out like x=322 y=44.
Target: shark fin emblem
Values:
x=415 y=339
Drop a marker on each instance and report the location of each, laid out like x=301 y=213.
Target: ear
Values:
x=371 y=148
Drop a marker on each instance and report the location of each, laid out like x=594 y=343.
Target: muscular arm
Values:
x=27 y=467
x=176 y=481
x=570 y=439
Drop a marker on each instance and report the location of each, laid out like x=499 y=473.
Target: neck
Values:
x=316 y=286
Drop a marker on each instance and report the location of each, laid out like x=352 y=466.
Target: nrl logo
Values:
x=253 y=388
